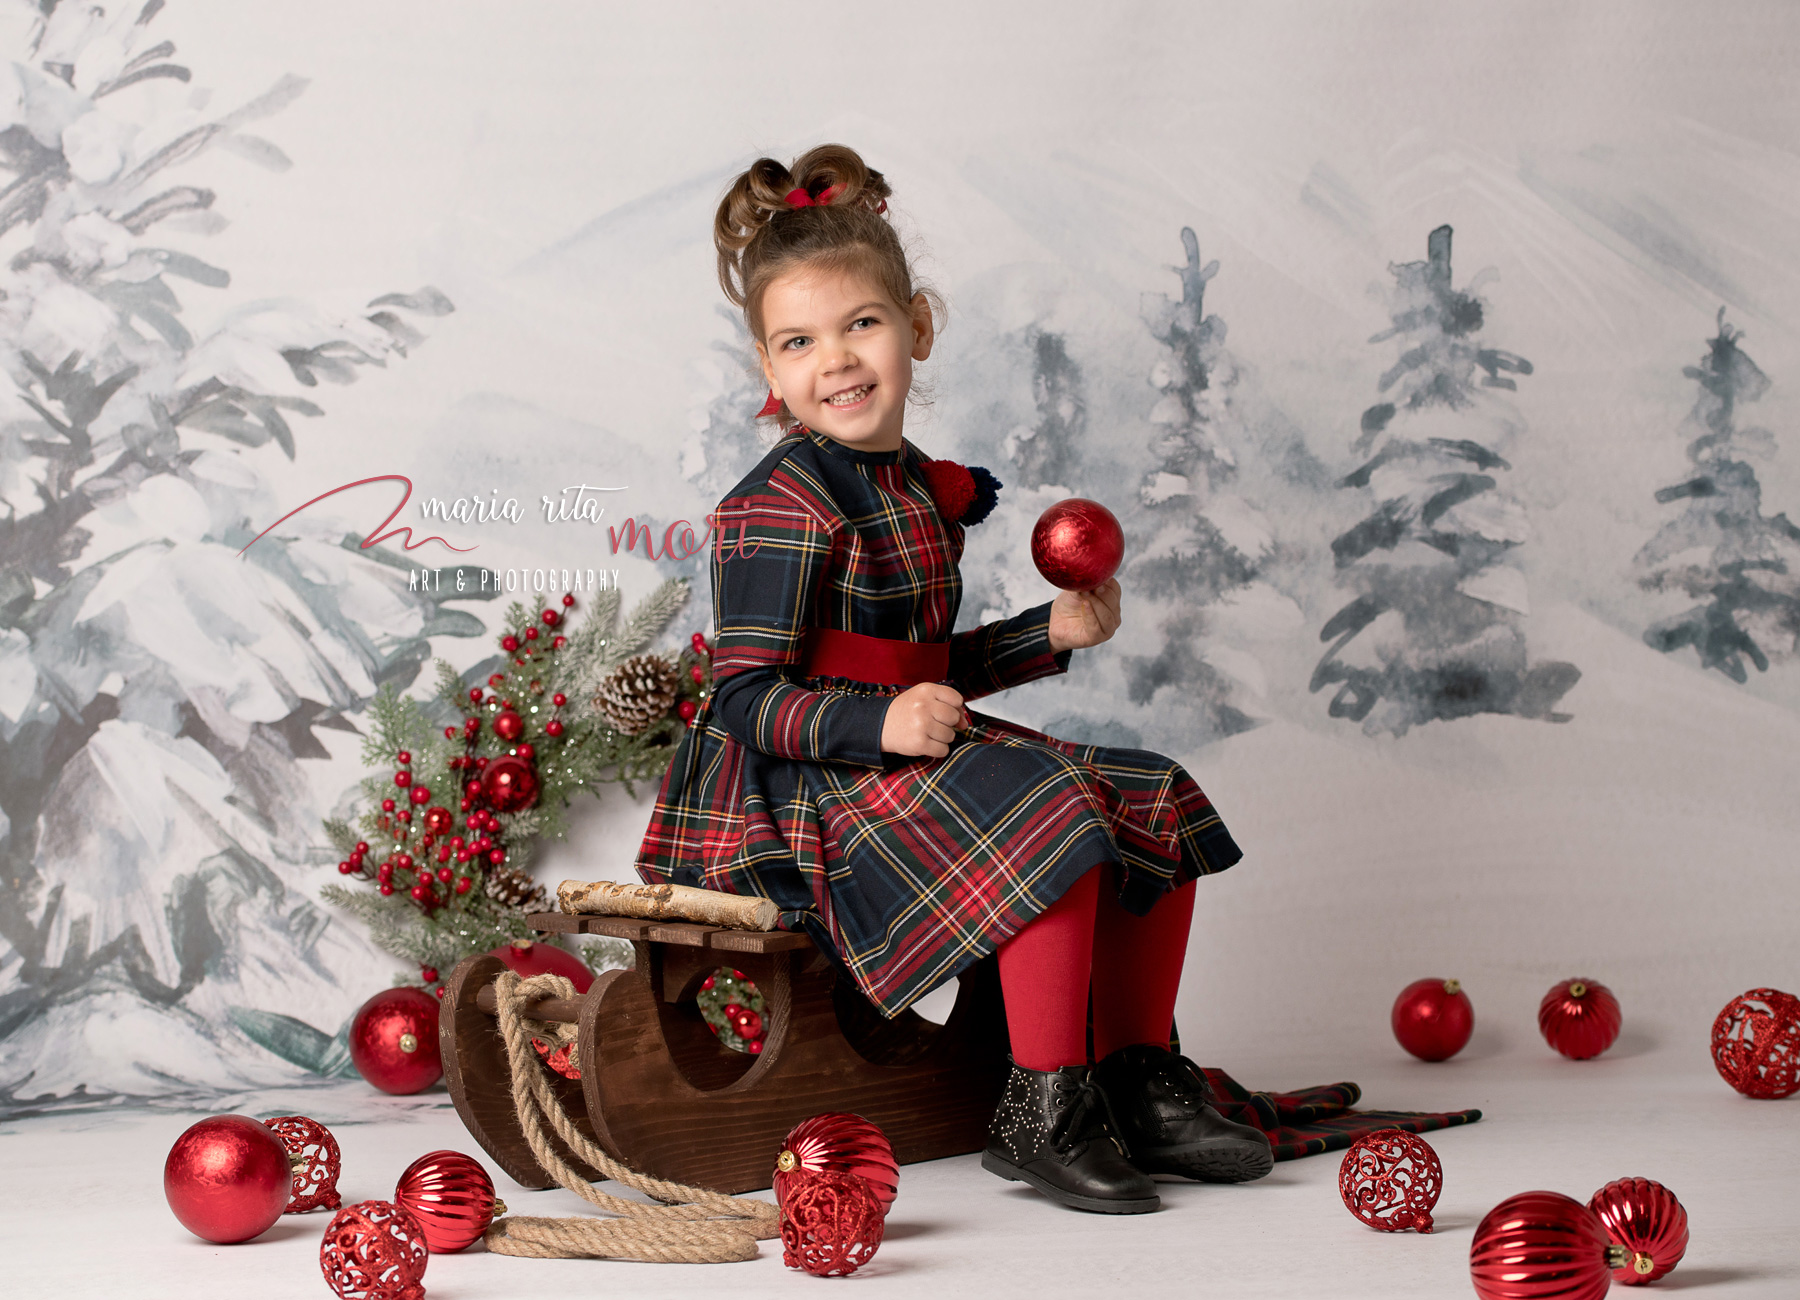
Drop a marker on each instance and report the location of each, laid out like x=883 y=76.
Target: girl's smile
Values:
x=840 y=354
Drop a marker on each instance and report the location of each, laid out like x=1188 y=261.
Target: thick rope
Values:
x=693 y=1226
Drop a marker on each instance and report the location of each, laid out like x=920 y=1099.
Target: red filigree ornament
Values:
x=1579 y=1018
x=394 y=1040
x=451 y=1196
x=1391 y=1180
x=1077 y=544
x=1643 y=1216
x=840 y=1143
x=227 y=1178
x=510 y=784
x=374 y=1250
x=831 y=1223
x=1543 y=1246
x=310 y=1144
x=1433 y=1019
x=1756 y=1043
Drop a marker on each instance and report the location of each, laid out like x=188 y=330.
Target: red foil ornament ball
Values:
x=1756 y=1043
x=1433 y=1019
x=374 y=1250
x=451 y=1196
x=1077 y=544
x=1579 y=1018
x=841 y=1143
x=1391 y=1180
x=394 y=1041
x=317 y=1161
x=1543 y=1246
x=831 y=1223
x=509 y=784
x=227 y=1178
x=1643 y=1216
x=527 y=958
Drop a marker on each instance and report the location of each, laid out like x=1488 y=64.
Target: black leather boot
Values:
x=1053 y=1131
x=1160 y=1102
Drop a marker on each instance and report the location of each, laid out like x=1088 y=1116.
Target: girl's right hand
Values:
x=922 y=721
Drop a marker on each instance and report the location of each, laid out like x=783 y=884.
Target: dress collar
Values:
x=853 y=454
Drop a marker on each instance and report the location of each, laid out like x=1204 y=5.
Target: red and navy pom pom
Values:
x=965 y=494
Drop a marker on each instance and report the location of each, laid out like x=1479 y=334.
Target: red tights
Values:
x=1134 y=963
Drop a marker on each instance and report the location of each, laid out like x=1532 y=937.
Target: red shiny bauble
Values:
x=510 y=784
x=1643 y=1216
x=374 y=1250
x=527 y=958
x=228 y=1178
x=509 y=726
x=394 y=1040
x=839 y=1142
x=686 y=710
x=439 y=820
x=1579 y=1018
x=1433 y=1019
x=831 y=1224
x=1077 y=544
x=1756 y=1043
x=748 y=1024
x=451 y=1196
x=314 y=1154
x=1391 y=1180
x=1542 y=1246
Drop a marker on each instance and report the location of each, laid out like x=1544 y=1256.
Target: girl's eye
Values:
x=797 y=342
x=863 y=321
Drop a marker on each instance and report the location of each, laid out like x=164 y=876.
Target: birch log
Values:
x=666 y=903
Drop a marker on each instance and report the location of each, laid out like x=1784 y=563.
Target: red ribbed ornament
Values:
x=1077 y=544
x=1391 y=1180
x=394 y=1040
x=831 y=1223
x=451 y=1196
x=1643 y=1216
x=316 y=1159
x=374 y=1250
x=1756 y=1043
x=1543 y=1246
x=227 y=1178
x=842 y=1143
x=1433 y=1019
x=1579 y=1018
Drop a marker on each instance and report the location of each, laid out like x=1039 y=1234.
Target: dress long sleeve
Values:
x=1008 y=653
x=769 y=571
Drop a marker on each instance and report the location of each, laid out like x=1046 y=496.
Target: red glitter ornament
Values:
x=1579 y=1018
x=831 y=1223
x=1077 y=544
x=451 y=1196
x=374 y=1250
x=228 y=1178
x=842 y=1143
x=1433 y=1019
x=394 y=1040
x=1643 y=1216
x=1756 y=1043
x=509 y=726
x=310 y=1143
x=509 y=784
x=1543 y=1246
x=1391 y=1180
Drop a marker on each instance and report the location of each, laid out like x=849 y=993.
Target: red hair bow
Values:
x=799 y=198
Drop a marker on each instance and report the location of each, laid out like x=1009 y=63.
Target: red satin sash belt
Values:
x=881 y=660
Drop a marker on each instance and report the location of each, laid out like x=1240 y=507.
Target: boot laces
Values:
x=1076 y=1103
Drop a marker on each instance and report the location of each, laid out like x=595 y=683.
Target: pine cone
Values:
x=514 y=888
x=638 y=692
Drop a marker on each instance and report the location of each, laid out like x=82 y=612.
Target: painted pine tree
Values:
x=1047 y=451
x=1436 y=628
x=1742 y=566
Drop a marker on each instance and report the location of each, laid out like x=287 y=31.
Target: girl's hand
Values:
x=922 y=721
x=1079 y=619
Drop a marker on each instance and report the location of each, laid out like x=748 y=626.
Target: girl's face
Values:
x=840 y=353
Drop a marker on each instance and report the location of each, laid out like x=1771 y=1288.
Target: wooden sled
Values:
x=659 y=1092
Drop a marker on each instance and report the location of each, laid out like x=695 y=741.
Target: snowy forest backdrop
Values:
x=1452 y=424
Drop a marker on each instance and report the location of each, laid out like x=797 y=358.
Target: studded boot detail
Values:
x=1161 y=1104
x=1053 y=1131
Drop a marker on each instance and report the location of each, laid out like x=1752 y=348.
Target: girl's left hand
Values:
x=1084 y=618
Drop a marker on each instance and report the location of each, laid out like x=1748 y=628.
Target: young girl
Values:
x=836 y=769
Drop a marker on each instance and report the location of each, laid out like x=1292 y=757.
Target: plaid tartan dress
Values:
x=907 y=869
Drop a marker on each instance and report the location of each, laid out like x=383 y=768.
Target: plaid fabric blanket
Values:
x=1314 y=1120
